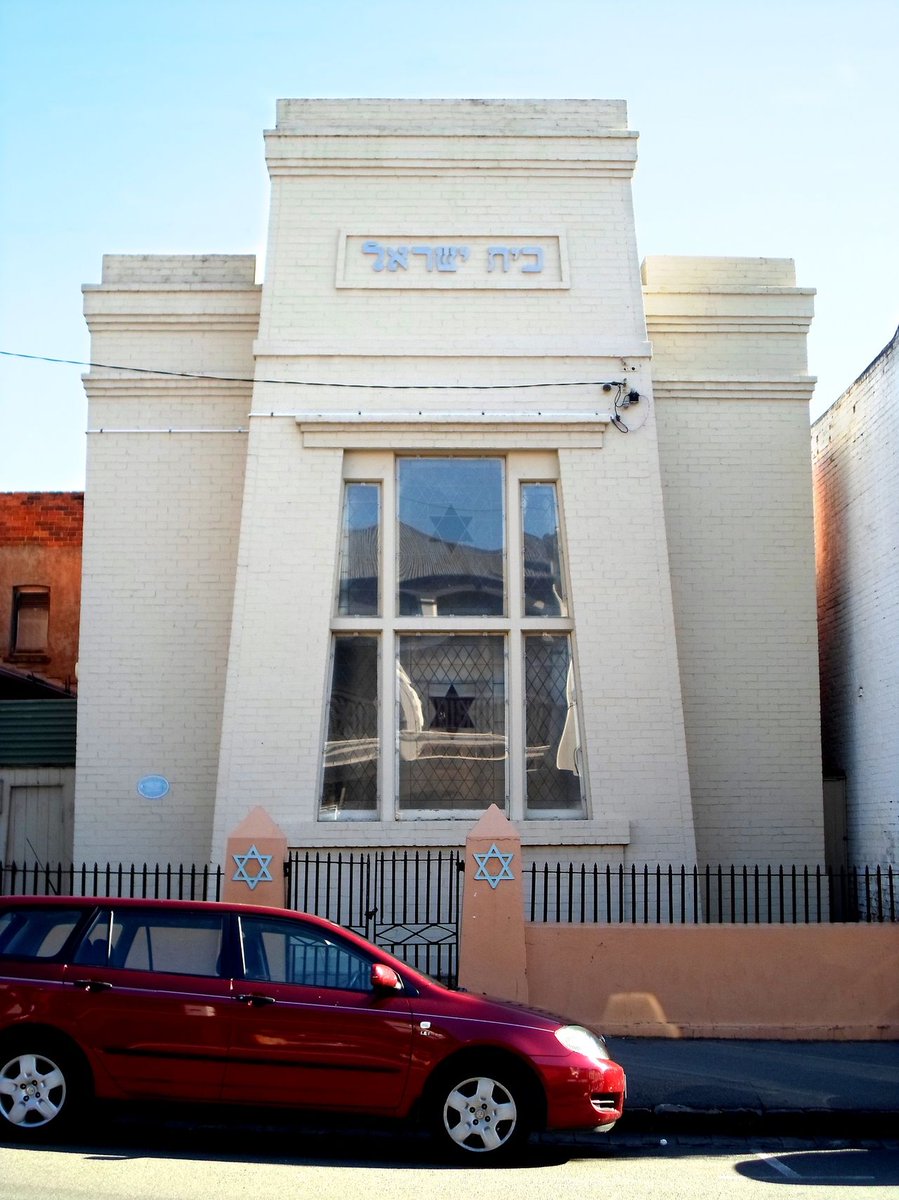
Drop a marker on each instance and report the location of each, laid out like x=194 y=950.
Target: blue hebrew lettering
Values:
x=447 y=255
x=532 y=252
x=375 y=248
x=494 y=252
x=398 y=258
x=428 y=252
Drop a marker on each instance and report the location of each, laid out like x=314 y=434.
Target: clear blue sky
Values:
x=135 y=126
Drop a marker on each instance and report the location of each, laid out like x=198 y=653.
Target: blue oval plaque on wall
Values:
x=153 y=787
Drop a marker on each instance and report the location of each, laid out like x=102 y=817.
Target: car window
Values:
x=36 y=932
x=172 y=943
x=291 y=952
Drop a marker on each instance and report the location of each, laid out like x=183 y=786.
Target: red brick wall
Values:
x=40 y=545
x=51 y=518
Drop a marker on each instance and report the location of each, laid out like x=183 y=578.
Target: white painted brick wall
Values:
x=548 y=166
x=733 y=427
x=856 y=470
x=280 y=641
x=160 y=539
x=630 y=688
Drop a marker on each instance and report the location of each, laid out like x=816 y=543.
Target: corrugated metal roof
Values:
x=37 y=733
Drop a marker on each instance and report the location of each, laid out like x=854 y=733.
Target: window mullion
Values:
x=514 y=554
x=389 y=725
x=515 y=764
x=389 y=715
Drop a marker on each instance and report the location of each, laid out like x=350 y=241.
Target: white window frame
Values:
x=519 y=467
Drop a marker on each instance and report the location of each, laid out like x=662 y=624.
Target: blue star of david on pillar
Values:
x=504 y=861
x=263 y=875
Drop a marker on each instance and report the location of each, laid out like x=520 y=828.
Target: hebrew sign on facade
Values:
x=440 y=260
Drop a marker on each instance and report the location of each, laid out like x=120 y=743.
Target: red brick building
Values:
x=40 y=591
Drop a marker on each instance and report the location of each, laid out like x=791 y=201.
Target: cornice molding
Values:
x=724 y=290
x=145 y=322
x=556 y=348
x=788 y=388
x=150 y=387
x=173 y=287
x=391 y=168
x=436 y=430
x=725 y=323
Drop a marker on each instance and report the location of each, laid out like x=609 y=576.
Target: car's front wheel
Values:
x=39 y=1086
x=487 y=1112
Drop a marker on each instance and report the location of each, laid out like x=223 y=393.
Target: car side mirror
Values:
x=384 y=978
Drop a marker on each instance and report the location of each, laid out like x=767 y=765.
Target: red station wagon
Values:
x=189 y=1001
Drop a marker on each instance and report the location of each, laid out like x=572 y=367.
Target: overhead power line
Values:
x=399 y=387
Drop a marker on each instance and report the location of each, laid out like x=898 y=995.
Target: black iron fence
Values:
x=160 y=882
x=407 y=902
x=657 y=895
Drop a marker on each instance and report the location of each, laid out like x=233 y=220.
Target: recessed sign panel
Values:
x=438 y=260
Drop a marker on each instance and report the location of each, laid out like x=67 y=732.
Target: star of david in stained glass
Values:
x=451 y=711
x=263 y=875
x=451 y=526
x=495 y=855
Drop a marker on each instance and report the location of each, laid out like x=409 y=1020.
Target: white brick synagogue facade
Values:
x=450 y=282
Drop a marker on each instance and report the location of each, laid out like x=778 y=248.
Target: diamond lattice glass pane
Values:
x=553 y=750
x=451 y=537
x=452 y=715
x=350 y=777
x=544 y=580
x=358 y=588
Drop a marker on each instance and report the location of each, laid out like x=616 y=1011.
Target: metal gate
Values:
x=407 y=902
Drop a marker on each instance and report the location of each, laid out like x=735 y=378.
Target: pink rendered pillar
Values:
x=255 y=854
x=492 y=956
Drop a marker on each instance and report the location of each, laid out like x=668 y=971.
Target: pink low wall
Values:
x=827 y=982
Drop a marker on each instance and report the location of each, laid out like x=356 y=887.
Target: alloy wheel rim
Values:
x=480 y=1114
x=32 y=1090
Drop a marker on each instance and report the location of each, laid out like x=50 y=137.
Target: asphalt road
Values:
x=152 y=1162
x=716 y=1118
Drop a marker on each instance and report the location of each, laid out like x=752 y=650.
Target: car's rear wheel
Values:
x=488 y=1112
x=39 y=1089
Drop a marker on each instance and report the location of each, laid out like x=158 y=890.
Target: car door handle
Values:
x=92 y=985
x=255 y=1000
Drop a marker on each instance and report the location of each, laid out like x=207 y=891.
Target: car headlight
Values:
x=582 y=1041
